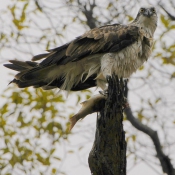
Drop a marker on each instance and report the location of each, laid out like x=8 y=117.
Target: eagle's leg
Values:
x=107 y=62
x=105 y=91
x=107 y=65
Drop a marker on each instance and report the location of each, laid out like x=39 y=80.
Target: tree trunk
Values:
x=108 y=155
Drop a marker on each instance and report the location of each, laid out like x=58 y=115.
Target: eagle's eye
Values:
x=153 y=10
x=142 y=10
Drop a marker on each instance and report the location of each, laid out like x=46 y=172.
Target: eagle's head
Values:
x=147 y=14
x=147 y=19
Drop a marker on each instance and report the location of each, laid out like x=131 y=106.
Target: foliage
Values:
x=34 y=123
x=30 y=118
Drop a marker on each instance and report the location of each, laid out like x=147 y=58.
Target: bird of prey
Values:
x=86 y=61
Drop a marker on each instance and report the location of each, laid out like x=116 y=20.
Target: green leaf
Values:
x=140 y=116
x=52 y=151
x=48 y=45
x=70 y=151
x=44 y=161
x=109 y=5
x=54 y=171
x=133 y=138
x=57 y=158
x=157 y=100
x=164 y=21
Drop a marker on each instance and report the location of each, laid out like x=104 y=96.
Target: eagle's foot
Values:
x=104 y=93
x=108 y=78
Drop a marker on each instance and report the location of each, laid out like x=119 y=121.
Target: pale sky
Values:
x=72 y=165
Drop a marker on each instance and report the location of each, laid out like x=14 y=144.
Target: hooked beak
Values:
x=148 y=13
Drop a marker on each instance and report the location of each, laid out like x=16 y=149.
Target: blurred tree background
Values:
x=34 y=137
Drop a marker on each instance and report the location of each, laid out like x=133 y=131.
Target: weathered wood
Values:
x=108 y=155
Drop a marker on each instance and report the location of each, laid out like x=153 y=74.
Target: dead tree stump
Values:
x=108 y=154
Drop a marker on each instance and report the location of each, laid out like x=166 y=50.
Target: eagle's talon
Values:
x=104 y=93
x=108 y=77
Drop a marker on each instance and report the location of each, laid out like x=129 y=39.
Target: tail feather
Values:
x=15 y=67
x=20 y=65
x=35 y=84
x=30 y=73
x=34 y=73
x=40 y=56
x=25 y=64
x=32 y=64
x=49 y=76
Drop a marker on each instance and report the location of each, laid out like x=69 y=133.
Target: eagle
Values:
x=86 y=61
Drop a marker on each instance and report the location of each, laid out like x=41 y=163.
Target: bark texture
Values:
x=108 y=154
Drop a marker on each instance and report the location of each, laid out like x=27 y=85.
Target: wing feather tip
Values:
x=39 y=57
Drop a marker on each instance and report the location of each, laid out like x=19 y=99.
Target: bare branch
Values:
x=165 y=161
x=89 y=15
x=169 y=14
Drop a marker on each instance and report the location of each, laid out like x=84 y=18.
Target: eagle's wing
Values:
x=107 y=39
x=110 y=38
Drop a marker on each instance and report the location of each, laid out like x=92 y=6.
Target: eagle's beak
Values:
x=148 y=13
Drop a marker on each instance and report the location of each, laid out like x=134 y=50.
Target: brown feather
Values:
x=118 y=49
x=98 y=40
x=40 y=56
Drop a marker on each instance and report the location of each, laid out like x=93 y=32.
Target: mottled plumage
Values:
x=87 y=60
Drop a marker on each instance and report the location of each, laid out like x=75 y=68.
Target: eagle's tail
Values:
x=30 y=73
x=49 y=76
